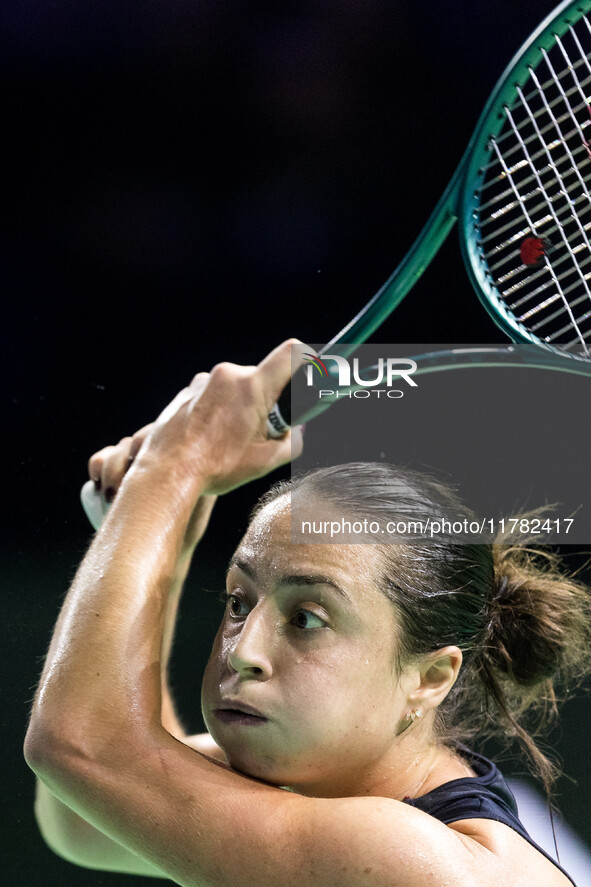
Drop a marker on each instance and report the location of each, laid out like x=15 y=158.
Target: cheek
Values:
x=214 y=667
x=346 y=687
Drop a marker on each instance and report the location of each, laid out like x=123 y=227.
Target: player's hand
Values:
x=215 y=431
x=108 y=467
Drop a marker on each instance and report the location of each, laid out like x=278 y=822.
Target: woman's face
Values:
x=301 y=688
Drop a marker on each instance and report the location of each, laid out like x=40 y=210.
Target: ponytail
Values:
x=535 y=645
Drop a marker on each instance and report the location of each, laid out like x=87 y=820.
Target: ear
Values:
x=437 y=674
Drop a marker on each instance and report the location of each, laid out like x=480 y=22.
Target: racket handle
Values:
x=279 y=418
x=94 y=504
x=308 y=405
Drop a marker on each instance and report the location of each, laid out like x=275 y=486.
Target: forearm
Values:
x=169 y=717
x=76 y=840
x=105 y=658
x=66 y=832
x=193 y=535
x=96 y=731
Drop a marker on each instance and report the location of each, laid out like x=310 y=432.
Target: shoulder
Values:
x=479 y=806
x=518 y=854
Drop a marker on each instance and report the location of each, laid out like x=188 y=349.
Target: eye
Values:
x=236 y=606
x=305 y=619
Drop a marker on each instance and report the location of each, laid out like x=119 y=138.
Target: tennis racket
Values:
x=522 y=197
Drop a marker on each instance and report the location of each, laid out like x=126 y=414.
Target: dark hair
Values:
x=522 y=624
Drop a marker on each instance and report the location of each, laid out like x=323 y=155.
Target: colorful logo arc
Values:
x=315 y=361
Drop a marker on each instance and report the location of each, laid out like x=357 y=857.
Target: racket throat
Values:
x=404 y=277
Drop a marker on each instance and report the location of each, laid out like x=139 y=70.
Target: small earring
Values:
x=413 y=714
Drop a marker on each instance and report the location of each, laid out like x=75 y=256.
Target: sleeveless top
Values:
x=484 y=796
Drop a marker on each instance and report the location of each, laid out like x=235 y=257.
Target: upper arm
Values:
x=201 y=823
x=383 y=842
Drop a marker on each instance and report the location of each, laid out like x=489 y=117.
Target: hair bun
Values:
x=501 y=590
x=529 y=625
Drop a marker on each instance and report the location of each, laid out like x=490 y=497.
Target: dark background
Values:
x=196 y=181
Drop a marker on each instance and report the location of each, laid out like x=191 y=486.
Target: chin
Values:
x=255 y=768
x=260 y=763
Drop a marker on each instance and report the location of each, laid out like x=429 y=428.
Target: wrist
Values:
x=159 y=493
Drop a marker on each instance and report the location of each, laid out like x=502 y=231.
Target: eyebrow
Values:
x=293 y=578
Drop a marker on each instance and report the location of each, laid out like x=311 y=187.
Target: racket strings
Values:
x=503 y=201
x=568 y=205
x=553 y=280
x=512 y=150
x=566 y=97
x=500 y=201
x=534 y=217
x=512 y=291
x=580 y=204
x=549 y=301
x=498 y=205
x=573 y=116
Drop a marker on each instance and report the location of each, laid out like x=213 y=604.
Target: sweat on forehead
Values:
x=270 y=536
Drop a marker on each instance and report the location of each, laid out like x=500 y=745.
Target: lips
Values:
x=235 y=712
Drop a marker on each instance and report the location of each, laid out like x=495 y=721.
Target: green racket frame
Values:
x=459 y=201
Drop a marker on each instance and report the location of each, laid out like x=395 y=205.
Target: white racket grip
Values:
x=94 y=504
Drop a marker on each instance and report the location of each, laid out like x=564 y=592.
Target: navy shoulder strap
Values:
x=484 y=796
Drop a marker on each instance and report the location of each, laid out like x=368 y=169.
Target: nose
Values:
x=250 y=650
